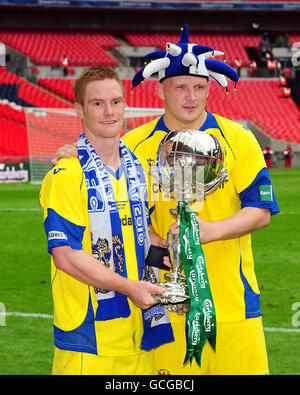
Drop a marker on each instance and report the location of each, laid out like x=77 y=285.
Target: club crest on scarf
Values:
x=102 y=251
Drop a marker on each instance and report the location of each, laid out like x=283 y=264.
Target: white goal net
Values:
x=50 y=129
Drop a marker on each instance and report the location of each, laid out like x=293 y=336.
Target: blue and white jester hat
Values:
x=186 y=59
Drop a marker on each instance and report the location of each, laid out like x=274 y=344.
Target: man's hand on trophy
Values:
x=179 y=308
x=174 y=228
x=206 y=230
x=166 y=261
x=66 y=151
x=156 y=240
x=142 y=294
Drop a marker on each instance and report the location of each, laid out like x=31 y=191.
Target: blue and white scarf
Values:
x=107 y=239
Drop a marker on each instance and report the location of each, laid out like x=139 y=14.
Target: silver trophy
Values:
x=189 y=166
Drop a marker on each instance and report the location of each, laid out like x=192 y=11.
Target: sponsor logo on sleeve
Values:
x=265 y=193
x=57 y=235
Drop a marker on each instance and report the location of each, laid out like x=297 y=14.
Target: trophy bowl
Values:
x=189 y=166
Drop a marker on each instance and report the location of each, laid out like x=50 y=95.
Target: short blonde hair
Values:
x=93 y=73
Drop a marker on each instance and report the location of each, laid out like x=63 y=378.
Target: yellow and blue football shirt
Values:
x=63 y=195
x=64 y=200
x=229 y=263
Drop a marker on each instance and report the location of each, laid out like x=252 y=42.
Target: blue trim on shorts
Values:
x=252 y=299
x=81 y=339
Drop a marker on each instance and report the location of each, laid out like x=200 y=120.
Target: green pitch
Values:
x=26 y=341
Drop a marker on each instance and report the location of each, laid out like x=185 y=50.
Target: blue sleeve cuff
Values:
x=62 y=232
x=260 y=193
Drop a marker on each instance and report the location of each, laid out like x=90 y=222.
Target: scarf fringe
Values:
x=110 y=309
x=160 y=334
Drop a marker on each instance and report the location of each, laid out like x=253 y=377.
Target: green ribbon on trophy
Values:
x=201 y=320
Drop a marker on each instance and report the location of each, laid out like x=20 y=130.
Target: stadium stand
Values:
x=48 y=47
x=16 y=93
x=258 y=100
x=13 y=133
x=17 y=90
x=232 y=44
x=262 y=103
x=86 y=48
x=61 y=86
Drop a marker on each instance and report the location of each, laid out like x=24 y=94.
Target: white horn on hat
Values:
x=155 y=66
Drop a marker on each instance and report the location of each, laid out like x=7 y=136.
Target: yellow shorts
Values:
x=78 y=363
x=240 y=349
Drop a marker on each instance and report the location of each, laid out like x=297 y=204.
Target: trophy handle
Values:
x=175 y=281
x=176 y=264
x=174 y=212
